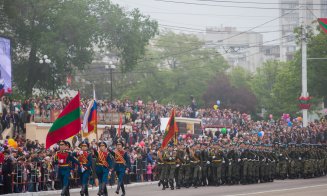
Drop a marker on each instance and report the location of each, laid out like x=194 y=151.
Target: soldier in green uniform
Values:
x=187 y=168
x=282 y=162
x=204 y=164
x=196 y=165
x=162 y=169
x=170 y=159
x=180 y=168
x=216 y=158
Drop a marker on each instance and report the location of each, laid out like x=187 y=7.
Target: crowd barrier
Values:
x=42 y=176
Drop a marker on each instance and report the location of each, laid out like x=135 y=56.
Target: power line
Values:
x=199 y=14
x=203 y=30
x=256 y=2
x=243 y=32
x=215 y=5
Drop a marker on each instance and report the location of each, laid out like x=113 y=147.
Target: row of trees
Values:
x=68 y=32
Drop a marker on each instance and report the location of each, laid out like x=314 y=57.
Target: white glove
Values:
x=230 y=163
x=81 y=152
x=223 y=161
x=300 y=158
x=170 y=158
x=208 y=162
x=82 y=169
x=177 y=165
x=286 y=158
x=61 y=161
x=239 y=160
x=214 y=157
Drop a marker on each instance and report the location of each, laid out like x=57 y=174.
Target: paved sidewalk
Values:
x=76 y=190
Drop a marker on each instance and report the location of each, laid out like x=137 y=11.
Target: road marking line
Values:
x=278 y=190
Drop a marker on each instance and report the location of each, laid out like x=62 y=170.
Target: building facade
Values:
x=294 y=13
x=238 y=48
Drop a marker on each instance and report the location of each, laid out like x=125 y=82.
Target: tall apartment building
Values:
x=238 y=48
x=293 y=13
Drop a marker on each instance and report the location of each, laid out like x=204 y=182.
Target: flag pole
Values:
x=96 y=119
x=81 y=132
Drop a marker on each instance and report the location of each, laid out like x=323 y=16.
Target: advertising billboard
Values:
x=5 y=65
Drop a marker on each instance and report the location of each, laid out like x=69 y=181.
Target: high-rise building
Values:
x=294 y=13
x=239 y=48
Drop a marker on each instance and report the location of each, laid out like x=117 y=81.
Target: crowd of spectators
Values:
x=32 y=168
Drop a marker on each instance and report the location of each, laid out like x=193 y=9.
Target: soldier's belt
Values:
x=64 y=165
x=216 y=161
x=195 y=161
x=171 y=163
x=99 y=164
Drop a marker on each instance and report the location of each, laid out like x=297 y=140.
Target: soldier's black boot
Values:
x=171 y=184
x=167 y=184
x=187 y=183
x=178 y=185
x=100 y=189
x=104 y=189
x=64 y=190
x=82 y=192
x=195 y=183
x=118 y=188
x=164 y=185
x=159 y=183
x=123 y=190
x=204 y=181
x=86 y=191
x=67 y=191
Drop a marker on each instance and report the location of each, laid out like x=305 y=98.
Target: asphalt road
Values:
x=300 y=187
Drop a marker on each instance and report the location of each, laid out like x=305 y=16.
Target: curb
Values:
x=77 y=190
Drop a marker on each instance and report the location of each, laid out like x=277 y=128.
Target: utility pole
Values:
x=304 y=93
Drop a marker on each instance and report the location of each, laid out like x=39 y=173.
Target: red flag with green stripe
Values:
x=323 y=24
x=171 y=130
x=67 y=124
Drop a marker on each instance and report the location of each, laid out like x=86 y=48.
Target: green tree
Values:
x=286 y=90
x=263 y=81
x=179 y=66
x=67 y=31
x=239 y=77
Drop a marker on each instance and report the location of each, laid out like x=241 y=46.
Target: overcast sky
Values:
x=195 y=18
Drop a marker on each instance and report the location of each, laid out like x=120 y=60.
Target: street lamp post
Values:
x=46 y=60
x=111 y=67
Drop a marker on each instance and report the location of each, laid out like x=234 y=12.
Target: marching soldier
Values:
x=103 y=165
x=85 y=159
x=180 y=167
x=160 y=167
x=205 y=163
x=187 y=168
x=216 y=157
x=122 y=165
x=196 y=165
x=170 y=159
x=63 y=158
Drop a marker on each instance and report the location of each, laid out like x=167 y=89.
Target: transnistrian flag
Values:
x=171 y=130
x=67 y=124
x=323 y=24
x=90 y=118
